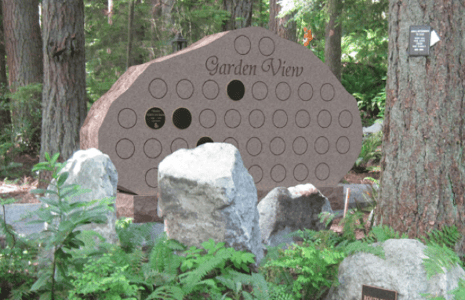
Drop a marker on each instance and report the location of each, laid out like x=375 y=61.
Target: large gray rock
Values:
x=91 y=169
x=206 y=192
x=373 y=129
x=285 y=210
x=402 y=271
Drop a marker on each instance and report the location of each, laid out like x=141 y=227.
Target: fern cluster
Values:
x=112 y=271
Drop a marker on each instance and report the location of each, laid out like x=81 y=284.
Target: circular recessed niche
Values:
x=324 y=118
x=182 y=118
x=207 y=118
x=278 y=173
x=152 y=148
x=210 y=89
x=345 y=118
x=242 y=45
x=305 y=91
x=151 y=177
x=279 y=118
x=327 y=92
x=232 y=118
x=302 y=118
x=266 y=46
x=322 y=171
x=259 y=90
x=283 y=91
x=127 y=118
x=236 y=90
x=300 y=172
x=184 y=89
x=300 y=145
x=231 y=141
x=178 y=143
x=256 y=118
x=254 y=146
x=256 y=172
x=343 y=145
x=321 y=145
x=204 y=140
x=155 y=118
x=158 y=88
x=277 y=146
x=125 y=148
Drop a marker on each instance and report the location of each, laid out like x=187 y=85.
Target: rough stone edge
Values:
x=89 y=131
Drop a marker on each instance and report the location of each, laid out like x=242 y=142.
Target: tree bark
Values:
x=140 y=31
x=161 y=27
x=64 y=91
x=239 y=9
x=333 y=39
x=23 y=45
x=282 y=26
x=130 y=25
x=5 y=115
x=423 y=162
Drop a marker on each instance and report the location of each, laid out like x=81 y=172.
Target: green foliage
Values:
x=25 y=136
x=369 y=150
x=112 y=271
x=24 y=101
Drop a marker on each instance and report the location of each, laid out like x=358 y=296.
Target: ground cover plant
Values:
x=79 y=270
x=124 y=272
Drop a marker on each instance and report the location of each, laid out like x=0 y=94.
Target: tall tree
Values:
x=130 y=34
x=241 y=14
x=141 y=32
x=23 y=45
x=423 y=164
x=333 y=38
x=64 y=90
x=285 y=27
x=5 y=116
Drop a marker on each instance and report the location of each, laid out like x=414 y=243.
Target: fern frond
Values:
x=133 y=236
x=358 y=246
x=448 y=236
x=260 y=286
x=191 y=279
x=162 y=258
x=439 y=257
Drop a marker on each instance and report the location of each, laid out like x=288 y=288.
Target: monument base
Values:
x=144 y=208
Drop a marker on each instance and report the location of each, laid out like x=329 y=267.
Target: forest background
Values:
x=122 y=33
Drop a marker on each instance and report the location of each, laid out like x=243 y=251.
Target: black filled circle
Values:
x=182 y=118
x=204 y=140
x=155 y=118
x=236 y=90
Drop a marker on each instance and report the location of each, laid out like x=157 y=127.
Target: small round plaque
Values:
x=155 y=118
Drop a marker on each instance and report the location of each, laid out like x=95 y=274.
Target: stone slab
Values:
x=125 y=208
x=273 y=99
x=124 y=205
x=334 y=195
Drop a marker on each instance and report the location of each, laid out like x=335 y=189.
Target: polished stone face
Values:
x=273 y=99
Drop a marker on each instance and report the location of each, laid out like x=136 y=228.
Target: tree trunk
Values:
x=282 y=26
x=110 y=11
x=333 y=39
x=140 y=31
x=5 y=116
x=161 y=27
x=130 y=25
x=64 y=91
x=23 y=45
x=423 y=162
x=241 y=9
